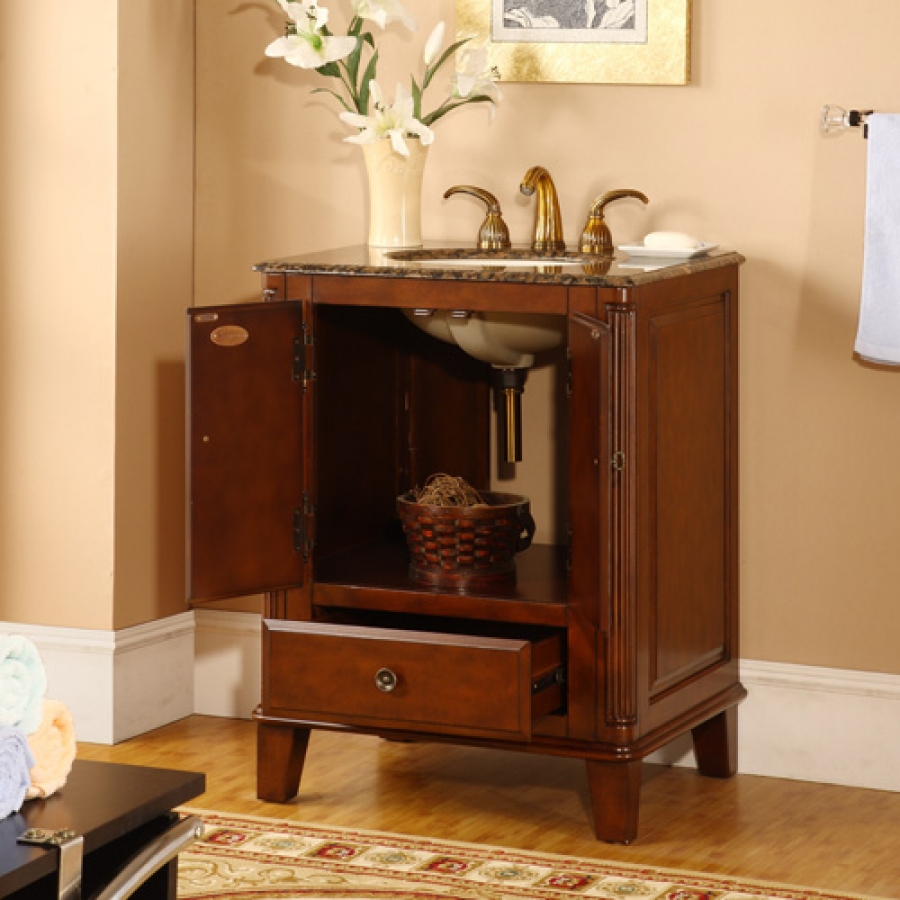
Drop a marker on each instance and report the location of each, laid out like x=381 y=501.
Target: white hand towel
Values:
x=878 y=337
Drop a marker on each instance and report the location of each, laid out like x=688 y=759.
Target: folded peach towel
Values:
x=53 y=746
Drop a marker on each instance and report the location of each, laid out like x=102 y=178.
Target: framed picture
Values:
x=586 y=41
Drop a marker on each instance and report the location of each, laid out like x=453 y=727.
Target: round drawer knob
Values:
x=385 y=680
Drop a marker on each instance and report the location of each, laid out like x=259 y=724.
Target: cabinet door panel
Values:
x=246 y=509
x=589 y=474
x=688 y=441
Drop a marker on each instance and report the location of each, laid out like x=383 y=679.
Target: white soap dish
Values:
x=658 y=253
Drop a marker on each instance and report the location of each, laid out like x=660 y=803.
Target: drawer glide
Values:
x=548 y=679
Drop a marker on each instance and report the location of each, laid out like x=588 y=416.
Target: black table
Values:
x=116 y=809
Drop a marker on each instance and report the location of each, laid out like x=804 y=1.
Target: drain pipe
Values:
x=510 y=384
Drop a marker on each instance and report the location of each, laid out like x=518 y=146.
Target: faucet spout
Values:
x=548 y=231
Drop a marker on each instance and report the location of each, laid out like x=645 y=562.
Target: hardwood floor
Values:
x=836 y=838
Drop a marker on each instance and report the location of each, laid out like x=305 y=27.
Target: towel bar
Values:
x=836 y=119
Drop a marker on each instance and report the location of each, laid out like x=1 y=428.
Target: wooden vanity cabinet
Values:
x=311 y=412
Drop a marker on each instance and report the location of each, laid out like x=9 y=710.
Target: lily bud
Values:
x=433 y=44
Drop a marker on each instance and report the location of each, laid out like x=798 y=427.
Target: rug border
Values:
x=646 y=871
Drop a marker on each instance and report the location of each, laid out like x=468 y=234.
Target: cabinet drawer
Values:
x=409 y=680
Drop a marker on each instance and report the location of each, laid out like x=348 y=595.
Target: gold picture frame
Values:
x=653 y=48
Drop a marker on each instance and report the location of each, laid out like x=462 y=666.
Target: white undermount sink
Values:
x=505 y=340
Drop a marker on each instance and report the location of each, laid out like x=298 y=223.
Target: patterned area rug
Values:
x=251 y=858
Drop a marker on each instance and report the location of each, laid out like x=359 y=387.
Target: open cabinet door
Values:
x=247 y=508
x=589 y=481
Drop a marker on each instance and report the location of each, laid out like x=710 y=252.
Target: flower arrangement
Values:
x=352 y=60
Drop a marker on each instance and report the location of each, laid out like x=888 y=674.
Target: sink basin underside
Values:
x=505 y=340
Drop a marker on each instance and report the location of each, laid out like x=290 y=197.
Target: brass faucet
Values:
x=596 y=237
x=548 y=231
x=493 y=234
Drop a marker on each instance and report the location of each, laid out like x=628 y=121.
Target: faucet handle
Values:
x=596 y=237
x=493 y=234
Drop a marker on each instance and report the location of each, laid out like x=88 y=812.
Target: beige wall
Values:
x=57 y=303
x=735 y=157
x=95 y=271
x=96 y=158
x=154 y=286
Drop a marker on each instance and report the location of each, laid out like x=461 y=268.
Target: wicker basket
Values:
x=466 y=547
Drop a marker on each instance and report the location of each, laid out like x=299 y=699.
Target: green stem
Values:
x=431 y=71
x=347 y=82
x=449 y=106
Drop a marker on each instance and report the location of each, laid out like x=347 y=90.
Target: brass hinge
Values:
x=299 y=530
x=304 y=520
x=618 y=461
x=302 y=368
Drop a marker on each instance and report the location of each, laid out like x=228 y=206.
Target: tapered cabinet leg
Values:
x=280 y=753
x=615 y=799
x=715 y=744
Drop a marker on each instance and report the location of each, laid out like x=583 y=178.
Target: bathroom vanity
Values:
x=313 y=409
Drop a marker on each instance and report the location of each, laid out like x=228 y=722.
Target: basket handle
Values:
x=526 y=530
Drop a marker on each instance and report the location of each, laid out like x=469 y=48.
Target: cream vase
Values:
x=395 y=194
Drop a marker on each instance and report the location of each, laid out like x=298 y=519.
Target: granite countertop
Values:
x=426 y=262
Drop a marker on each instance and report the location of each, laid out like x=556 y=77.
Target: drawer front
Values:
x=406 y=680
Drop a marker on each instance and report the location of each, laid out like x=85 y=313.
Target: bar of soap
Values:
x=671 y=240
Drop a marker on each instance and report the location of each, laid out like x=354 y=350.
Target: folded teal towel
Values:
x=16 y=761
x=23 y=683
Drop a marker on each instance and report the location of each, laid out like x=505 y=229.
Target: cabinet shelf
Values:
x=376 y=577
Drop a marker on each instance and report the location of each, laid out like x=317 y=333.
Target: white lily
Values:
x=298 y=8
x=474 y=77
x=309 y=48
x=349 y=66
x=382 y=12
x=396 y=121
x=433 y=44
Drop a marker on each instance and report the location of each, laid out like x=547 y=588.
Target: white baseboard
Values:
x=227 y=663
x=118 y=684
x=815 y=724
x=800 y=722
x=807 y=723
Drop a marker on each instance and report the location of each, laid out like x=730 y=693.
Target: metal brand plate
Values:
x=229 y=335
